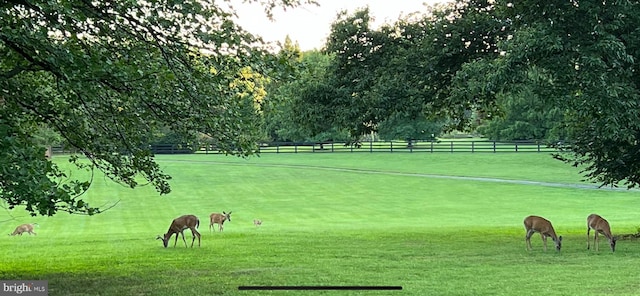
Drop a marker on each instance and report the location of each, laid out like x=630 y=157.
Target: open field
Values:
x=435 y=224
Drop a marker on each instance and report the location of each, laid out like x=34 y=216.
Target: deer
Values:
x=24 y=228
x=599 y=225
x=220 y=219
x=533 y=224
x=178 y=225
x=257 y=222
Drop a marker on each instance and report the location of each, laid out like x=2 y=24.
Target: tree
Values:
x=403 y=127
x=345 y=99
x=403 y=70
x=525 y=116
x=104 y=76
x=290 y=100
x=342 y=99
x=583 y=59
x=276 y=107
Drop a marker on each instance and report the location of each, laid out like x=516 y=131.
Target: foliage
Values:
x=289 y=101
x=401 y=70
x=402 y=128
x=105 y=75
x=580 y=60
x=46 y=136
x=276 y=107
x=165 y=135
x=525 y=116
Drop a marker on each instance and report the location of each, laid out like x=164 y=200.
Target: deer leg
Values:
x=176 y=241
x=193 y=237
x=184 y=240
x=195 y=233
x=588 y=240
x=596 y=242
x=527 y=239
x=544 y=240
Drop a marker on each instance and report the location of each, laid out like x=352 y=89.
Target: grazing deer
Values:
x=257 y=222
x=24 y=228
x=219 y=218
x=599 y=225
x=534 y=224
x=178 y=226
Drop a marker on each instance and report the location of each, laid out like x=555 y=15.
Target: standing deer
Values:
x=219 y=218
x=24 y=228
x=178 y=226
x=599 y=225
x=533 y=224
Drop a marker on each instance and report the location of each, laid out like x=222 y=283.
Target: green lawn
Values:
x=435 y=224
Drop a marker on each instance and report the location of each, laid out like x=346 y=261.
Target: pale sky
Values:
x=310 y=25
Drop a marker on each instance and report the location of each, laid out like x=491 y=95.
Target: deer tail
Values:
x=197 y=223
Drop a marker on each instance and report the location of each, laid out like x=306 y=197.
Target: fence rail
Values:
x=448 y=146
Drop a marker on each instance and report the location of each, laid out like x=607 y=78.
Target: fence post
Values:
x=494 y=146
x=431 y=146
x=451 y=146
x=391 y=146
x=473 y=146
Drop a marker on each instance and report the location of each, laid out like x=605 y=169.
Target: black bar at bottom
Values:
x=319 y=287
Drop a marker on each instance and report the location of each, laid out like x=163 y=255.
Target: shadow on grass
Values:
x=154 y=282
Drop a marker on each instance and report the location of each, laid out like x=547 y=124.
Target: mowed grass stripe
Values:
x=420 y=175
x=432 y=236
x=513 y=166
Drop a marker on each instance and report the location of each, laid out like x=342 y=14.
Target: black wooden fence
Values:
x=451 y=146
x=448 y=146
